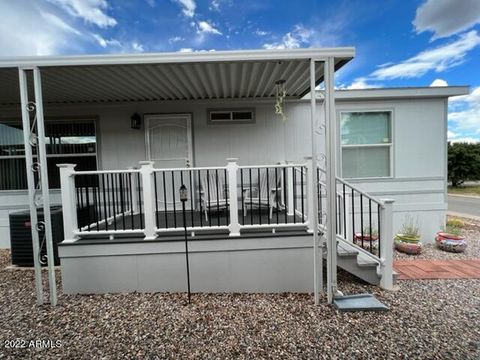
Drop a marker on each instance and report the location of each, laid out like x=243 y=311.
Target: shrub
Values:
x=455 y=223
x=411 y=228
x=463 y=163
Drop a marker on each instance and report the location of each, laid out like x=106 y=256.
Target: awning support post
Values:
x=331 y=173
x=40 y=167
x=26 y=108
x=312 y=193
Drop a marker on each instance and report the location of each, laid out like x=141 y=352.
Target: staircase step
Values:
x=360 y=302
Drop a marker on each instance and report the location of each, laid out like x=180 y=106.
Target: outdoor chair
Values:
x=213 y=192
x=267 y=196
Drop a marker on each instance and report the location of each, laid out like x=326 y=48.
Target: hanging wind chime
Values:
x=280 y=95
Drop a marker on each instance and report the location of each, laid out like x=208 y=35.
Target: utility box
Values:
x=21 y=236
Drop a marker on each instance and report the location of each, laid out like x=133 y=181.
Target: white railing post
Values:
x=386 y=244
x=148 y=189
x=232 y=169
x=69 y=208
x=134 y=192
x=310 y=190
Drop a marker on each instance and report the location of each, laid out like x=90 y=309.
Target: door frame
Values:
x=185 y=116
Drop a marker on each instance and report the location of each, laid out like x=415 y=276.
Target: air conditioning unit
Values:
x=21 y=235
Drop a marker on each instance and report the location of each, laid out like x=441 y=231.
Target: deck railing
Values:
x=146 y=200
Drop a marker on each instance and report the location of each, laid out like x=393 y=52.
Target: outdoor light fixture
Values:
x=184 y=199
x=136 y=121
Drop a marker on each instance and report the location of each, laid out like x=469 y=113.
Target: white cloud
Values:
x=118 y=46
x=360 y=83
x=175 y=39
x=260 y=32
x=91 y=11
x=464 y=115
x=438 y=83
x=188 y=7
x=206 y=28
x=215 y=5
x=151 y=3
x=41 y=33
x=436 y=59
x=469 y=140
x=186 y=50
x=296 y=38
x=451 y=135
x=446 y=17
x=106 y=42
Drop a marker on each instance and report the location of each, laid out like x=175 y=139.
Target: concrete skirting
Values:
x=263 y=264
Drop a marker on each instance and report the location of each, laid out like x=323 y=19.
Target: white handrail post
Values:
x=148 y=189
x=310 y=200
x=232 y=169
x=386 y=244
x=69 y=209
x=134 y=191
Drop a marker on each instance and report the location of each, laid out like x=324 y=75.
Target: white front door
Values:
x=169 y=145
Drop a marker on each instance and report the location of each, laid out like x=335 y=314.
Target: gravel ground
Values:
x=428 y=320
x=430 y=251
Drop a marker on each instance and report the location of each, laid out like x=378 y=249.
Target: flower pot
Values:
x=450 y=242
x=366 y=242
x=406 y=247
x=407 y=239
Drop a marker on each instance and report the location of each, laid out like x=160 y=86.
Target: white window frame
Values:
x=389 y=145
x=231 y=120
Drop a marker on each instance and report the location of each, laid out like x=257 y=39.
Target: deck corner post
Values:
x=386 y=244
x=69 y=210
x=148 y=188
x=232 y=169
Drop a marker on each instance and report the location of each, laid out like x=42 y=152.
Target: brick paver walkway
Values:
x=437 y=269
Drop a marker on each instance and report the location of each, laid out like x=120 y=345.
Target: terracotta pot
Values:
x=366 y=237
x=406 y=247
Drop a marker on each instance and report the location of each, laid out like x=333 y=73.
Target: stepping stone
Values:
x=360 y=302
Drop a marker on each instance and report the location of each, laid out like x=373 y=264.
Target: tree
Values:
x=463 y=162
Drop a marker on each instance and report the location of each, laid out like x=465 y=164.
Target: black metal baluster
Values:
x=301 y=188
x=140 y=201
x=251 y=196
x=218 y=195
x=208 y=197
x=88 y=207
x=243 y=200
x=97 y=206
x=354 y=238
x=182 y=183
x=165 y=208
x=191 y=196
x=285 y=193
x=156 y=198
x=294 y=180
x=379 y=230
x=122 y=200
x=174 y=205
x=268 y=196
x=361 y=216
x=227 y=200
x=131 y=199
x=106 y=189
x=200 y=195
x=259 y=197
x=113 y=203
x=344 y=213
x=276 y=191
x=370 y=222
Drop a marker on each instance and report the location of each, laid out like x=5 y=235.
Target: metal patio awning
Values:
x=169 y=76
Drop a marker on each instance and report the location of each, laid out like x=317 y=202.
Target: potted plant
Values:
x=451 y=238
x=408 y=240
x=367 y=239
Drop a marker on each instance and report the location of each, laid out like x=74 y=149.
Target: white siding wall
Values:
x=418 y=184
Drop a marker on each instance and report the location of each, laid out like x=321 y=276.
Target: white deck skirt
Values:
x=170 y=76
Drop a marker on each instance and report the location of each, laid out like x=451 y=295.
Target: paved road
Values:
x=464 y=205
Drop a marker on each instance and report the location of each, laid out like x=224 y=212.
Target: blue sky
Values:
x=398 y=42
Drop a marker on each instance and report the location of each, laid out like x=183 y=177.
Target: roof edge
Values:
x=405 y=92
x=177 y=57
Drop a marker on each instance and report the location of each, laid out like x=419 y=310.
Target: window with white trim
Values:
x=231 y=116
x=366 y=144
x=67 y=141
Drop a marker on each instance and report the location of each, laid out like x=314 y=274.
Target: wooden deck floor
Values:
x=437 y=269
